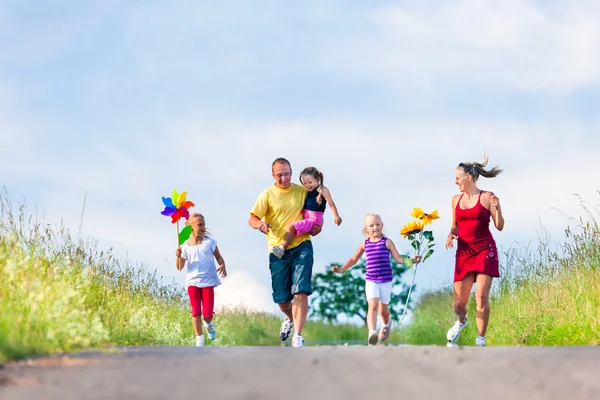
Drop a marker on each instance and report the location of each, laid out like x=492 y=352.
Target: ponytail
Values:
x=476 y=169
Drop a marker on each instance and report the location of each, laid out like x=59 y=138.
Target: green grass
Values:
x=547 y=296
x=61 y=294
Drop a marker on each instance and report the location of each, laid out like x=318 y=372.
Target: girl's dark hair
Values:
x=316 y=174
x=476 y=169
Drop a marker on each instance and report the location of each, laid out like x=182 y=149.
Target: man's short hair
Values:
x=281 y=160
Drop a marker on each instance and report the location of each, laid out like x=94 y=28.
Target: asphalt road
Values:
x=327 y=372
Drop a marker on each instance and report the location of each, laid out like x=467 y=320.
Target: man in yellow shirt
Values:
x=276 y=207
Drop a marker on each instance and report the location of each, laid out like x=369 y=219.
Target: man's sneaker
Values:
x=384 y=333
x=286 y=329
x=373 y=338
x=297 y=341
x=212 y=332
x=278 y=251
x=454 y=332
x=480 y=341
x=200 y=341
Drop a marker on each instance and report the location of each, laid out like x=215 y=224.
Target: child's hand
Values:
x=336 y=269
x=178 y=252
x=337 y=220
x=416 y=259
x=222 y=271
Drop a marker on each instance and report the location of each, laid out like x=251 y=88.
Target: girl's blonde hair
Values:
x=316 y=174
x=197 y=215
x=476 y=169
x=364 y=229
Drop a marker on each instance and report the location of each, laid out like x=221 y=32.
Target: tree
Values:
x=336 y=294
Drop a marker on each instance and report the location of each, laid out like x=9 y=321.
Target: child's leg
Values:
x=289 y=236
x=372 y=313
x=195 y=295
x=208 y=303
x=311 y=218
x=385 y=290
x=385 y=294
x=384 y=311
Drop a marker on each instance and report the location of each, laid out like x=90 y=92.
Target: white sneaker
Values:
x=297 y=341
x=480 y=341
x=454 y=332
x=286 y=329
x=200 y=341
x=373 y=338
x=278 y=251
x=212 y=332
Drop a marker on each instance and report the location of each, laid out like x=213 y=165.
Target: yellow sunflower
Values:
x=411 y=228
x=417 y=212
x=427 y=218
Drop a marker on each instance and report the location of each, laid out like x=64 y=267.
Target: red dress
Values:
x=476 y=249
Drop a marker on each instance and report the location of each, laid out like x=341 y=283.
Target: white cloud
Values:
x=514 y=43
x=241 y=290
x=125 y=155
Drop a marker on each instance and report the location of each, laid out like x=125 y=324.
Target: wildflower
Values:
x=428 y=218
x=411 y=228
x=417 y=212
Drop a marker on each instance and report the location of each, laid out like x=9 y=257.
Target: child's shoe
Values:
x=210 y=329
x=278 y=251
x=384 y=333
x=373 y=338
x=200 y=341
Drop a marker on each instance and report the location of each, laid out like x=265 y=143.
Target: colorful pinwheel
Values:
x=177 y=207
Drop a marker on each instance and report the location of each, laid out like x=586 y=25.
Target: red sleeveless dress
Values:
x=476 y=249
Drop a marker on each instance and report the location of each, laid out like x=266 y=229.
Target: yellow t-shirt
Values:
x=279 y=208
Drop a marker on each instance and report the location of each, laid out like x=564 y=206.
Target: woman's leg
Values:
x=462 y=291
x=483 y=285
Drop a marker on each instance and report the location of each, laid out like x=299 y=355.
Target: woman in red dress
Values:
x=476 y=252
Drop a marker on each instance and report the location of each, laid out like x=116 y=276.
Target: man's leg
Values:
x=281 y=283
x=286 y=308
x=302 y=263
x=300 y=312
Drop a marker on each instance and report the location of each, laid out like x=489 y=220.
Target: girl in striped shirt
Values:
x=378 y=285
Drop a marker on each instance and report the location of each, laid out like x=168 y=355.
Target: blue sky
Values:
x=120 y=101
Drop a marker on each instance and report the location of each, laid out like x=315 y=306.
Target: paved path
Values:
x=355 y=372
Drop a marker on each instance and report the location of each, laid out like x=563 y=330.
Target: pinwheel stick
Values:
x=178 y=245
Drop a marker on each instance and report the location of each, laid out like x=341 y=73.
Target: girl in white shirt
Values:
x=199 y=254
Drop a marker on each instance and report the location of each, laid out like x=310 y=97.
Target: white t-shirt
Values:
x=200 y=264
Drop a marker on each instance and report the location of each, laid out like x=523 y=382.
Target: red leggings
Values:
x=202 y=301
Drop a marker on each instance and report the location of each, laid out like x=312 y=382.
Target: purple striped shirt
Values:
x=378 y=268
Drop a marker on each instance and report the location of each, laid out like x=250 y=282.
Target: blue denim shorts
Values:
x=292 y=273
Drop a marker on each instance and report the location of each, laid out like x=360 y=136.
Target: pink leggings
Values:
x=311 y=218
x=202 y=301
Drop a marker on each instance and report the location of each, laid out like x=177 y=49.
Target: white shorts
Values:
x=382 y=291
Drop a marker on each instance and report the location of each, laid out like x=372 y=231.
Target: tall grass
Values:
x=60 y=293
x=548 y=295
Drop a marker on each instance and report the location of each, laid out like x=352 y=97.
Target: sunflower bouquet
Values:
x=420 y=239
